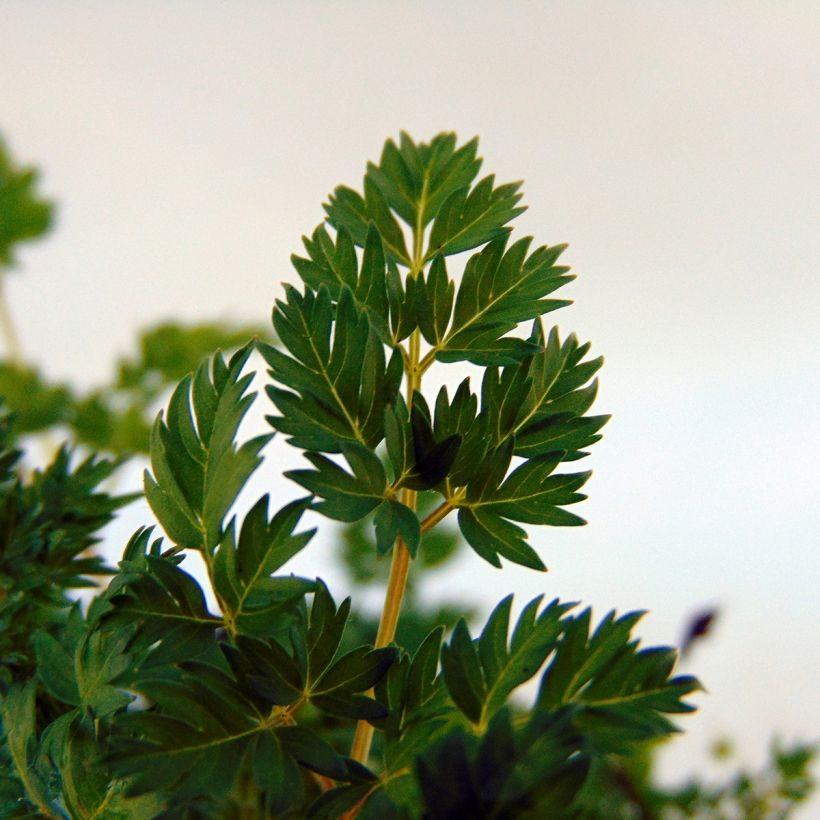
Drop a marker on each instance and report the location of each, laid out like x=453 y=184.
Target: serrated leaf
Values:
x=415 y=179
x=501 y=288
x=531 y=493
x=338 y=380
x=339 y=690
x=100 y=659
x=162 y=602
x=200 y=730
x=346 y=209
x=19 y=728
x=482 y=674
x=551 y=416
x=471 y=217
x=197 y=469
x=345 y=496
x=620 y=693
x=490 y=535
x=394 y=520
x=255 y=601
x=337 y=267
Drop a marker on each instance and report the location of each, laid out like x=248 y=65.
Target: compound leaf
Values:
x=337 y=389
x=197 y=470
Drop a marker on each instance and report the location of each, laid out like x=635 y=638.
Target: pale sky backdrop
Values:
x=673 y=144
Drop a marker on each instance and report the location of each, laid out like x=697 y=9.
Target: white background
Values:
x=673 y=144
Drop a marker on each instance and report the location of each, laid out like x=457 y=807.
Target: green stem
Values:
x=11 y=338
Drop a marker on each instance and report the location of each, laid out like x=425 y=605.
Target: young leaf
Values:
x=416 y=179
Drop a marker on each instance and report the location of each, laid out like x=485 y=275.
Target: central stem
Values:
x=400 y=563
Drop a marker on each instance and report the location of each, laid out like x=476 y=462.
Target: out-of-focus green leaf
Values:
x=23 y=215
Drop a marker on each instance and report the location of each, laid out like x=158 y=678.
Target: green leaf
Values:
x=480 y=675
x=425 y=183
x=394 y=520
x=421 y=675
x=25 y=215
x=501 y=288
x=620 y=693
x=88 y=787
x=345 y=496
x=490 y=535
x=338 y=690
x=462 y=672
x=19 y=728
x=199 y=732
x=255 y=601
x=53 y=659
x=435 y=302
x=336 y=268
x=416 y=179
x=470 y=217
x=399 y=438
x=162 y=602
x=348 y=210
x=333 y=266
x=100 y=659
x=324 y=633
x=197 y=469
x=311 y=672
x=551 y=417
x=337 y=390
x=401 y=299
x=532 y=494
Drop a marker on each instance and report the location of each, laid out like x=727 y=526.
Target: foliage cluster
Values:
x=281 y=701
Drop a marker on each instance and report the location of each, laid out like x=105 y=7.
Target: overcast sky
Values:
x=674 y=145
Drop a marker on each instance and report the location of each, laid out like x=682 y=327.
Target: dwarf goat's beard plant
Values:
x=260 y=709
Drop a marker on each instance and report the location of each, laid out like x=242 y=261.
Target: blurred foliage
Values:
x=116 y=418
x=23 y=215
x=47 y=525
